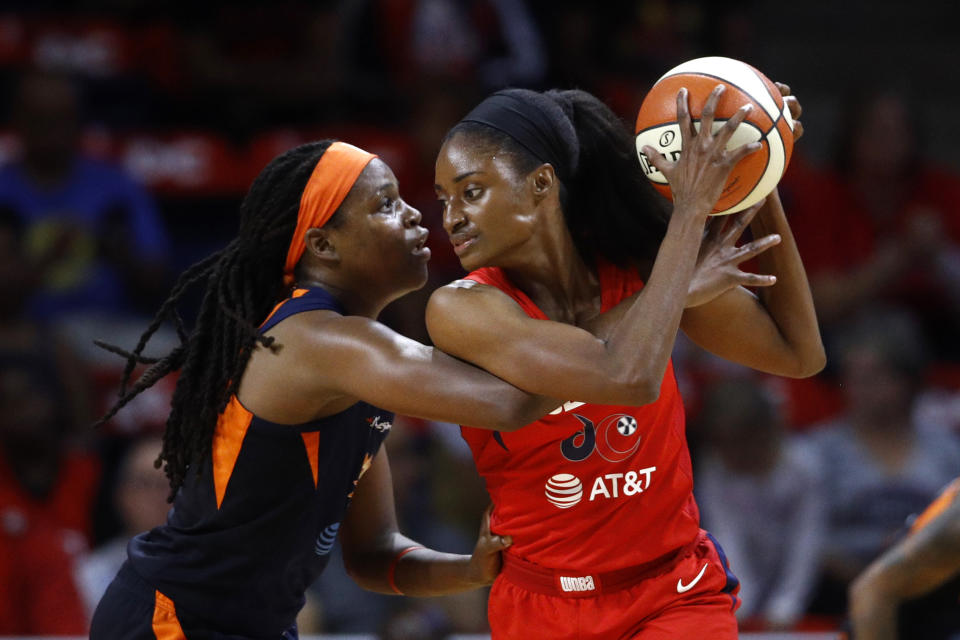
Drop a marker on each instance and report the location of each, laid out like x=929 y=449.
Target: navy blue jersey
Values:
x=253 y=530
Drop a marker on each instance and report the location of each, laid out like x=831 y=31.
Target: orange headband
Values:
x=336 y=171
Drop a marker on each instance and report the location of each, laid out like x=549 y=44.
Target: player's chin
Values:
x=471 y=261
x=416 y=274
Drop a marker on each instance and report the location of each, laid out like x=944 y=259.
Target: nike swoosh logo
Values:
x=682 y=588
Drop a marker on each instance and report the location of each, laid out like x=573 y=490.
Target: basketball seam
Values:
x=734 y=85
x=669 y=122
x=766 y=164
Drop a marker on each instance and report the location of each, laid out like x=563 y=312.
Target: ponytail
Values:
x=611 y=209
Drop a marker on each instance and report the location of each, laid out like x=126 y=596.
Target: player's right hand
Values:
x=485 y=562
x=698 y=177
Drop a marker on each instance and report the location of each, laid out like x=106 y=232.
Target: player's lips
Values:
x=420 y=247
x=461 y=242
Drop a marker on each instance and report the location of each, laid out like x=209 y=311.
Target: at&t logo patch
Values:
x=564 y=490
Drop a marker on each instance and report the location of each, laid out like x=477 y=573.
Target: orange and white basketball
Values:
x=769 y=122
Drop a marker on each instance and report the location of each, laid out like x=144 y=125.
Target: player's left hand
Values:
x=717 y=269
x=485 y=562
x=795 y=109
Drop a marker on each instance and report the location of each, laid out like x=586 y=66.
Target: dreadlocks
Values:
x=243 y=282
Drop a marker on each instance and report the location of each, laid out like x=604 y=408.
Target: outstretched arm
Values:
x=327 y=357
x=917 y=565
x=372 y=541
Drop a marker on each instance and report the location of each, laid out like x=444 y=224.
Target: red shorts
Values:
x=691 y=594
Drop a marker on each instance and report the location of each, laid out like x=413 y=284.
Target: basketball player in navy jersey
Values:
x=287 y=389
x=911 y=591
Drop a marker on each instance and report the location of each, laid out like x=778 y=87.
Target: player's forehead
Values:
x=375 y=181
x=468 y=154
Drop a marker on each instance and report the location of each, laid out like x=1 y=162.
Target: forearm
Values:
x=641 y=342
x=919 y=564
x=914 y=567
x=420 y=572
x=789 y=302
x=873 y=621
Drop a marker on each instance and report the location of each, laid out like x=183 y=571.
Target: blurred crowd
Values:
x=129 y=130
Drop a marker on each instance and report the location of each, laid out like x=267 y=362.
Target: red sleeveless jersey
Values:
x=590 y=487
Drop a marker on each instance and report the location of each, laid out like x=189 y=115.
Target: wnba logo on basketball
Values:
x=564 y=490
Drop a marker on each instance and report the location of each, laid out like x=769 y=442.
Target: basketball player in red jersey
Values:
x=545 y=203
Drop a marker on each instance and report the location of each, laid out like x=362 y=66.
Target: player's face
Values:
x=487 y=210
x=381 y=240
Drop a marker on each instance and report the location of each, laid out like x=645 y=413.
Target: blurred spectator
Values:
x=140 y=499
x=391 y=49
x=878 y=464
x=886 y=226
x=36 y=576
x=46 y=494
x=253 y=64
x=92 y=234
x=40 y=474
x=761 y=496
x=24 y=341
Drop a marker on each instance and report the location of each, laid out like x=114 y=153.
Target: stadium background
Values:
x=189 y=101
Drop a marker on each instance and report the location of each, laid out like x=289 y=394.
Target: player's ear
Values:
x=543 y=180
x=322 y=245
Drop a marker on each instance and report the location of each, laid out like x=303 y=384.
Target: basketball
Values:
x=769 y=122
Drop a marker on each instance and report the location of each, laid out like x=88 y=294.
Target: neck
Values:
x=354 y=303
x=551 y=272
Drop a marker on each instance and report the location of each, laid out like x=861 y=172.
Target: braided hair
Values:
x=608 y=204
x=243 y=283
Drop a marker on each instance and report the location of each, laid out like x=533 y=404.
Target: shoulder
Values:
x=466 y=298
x=464 y=291
x=319 y=328
x=466 y=315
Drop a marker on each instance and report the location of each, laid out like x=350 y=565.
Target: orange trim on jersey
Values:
x=311 y=440
x=227 y=440
x=332 y=178
x=165 y=623
x=296 y=294
x=938 y=506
